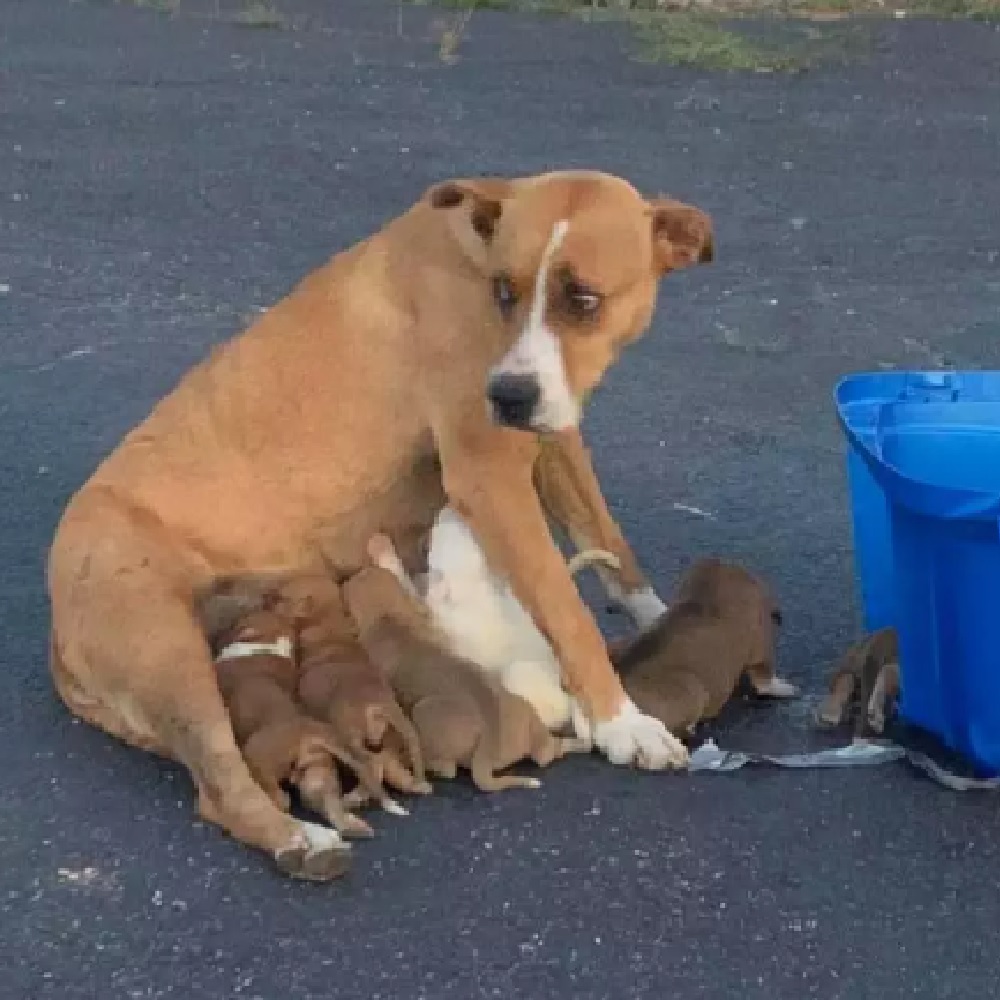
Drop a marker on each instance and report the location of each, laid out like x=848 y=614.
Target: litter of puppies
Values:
x=380 y=681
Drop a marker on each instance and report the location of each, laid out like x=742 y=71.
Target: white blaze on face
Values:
x=537 y=352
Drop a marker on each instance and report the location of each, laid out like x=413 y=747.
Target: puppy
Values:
x=720 y=627
x=341 y=685
x=464 y=717
x=865 y=679
x=482 y=621
x=254 y=653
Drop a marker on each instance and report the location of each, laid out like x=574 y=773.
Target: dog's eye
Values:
x=504 y=294
x=582 y=302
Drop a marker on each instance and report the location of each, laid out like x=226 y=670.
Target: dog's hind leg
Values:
x=833 y=708
x=269 y=757
x=320 y=790
x=126 y=636
x=410 y=741
x=482 y=767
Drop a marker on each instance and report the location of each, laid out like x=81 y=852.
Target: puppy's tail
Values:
x=592 y=557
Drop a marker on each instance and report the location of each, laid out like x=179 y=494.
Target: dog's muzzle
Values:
x=514 y=399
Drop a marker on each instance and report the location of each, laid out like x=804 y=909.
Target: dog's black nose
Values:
x=514 y=398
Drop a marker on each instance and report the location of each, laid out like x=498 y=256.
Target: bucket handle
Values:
x=933 y=386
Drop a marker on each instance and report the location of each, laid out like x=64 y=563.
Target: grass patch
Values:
x=688 y=39
x=762 y=36
x=250 y=14
x=259 y=14
x=161 y=6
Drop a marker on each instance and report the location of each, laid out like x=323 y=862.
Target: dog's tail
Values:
x=592 y=557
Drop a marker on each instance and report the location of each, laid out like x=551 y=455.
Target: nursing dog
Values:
x=417 y=368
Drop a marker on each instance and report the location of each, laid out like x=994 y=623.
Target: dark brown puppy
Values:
x=864 y=680
x=341 y=685
x=463 y=717
x=685 y=667
x=254 y=654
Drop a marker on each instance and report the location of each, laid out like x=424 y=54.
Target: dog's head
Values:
x=573 y=260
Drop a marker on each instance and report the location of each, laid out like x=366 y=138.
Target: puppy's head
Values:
x=727 y=590
x=374 y=596
x=573 y=260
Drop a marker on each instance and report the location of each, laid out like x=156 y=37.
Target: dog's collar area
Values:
x=237 y=650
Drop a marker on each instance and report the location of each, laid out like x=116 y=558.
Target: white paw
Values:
x=633 y=738
x=532 y=783
x=582 y=727
x=392 y=807
x=778 y=687
x=643 y=606
x=321 y=838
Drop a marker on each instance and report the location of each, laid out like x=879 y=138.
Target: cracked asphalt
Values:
x=163 y=178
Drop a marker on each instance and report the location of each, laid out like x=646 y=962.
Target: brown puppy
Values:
x=464 y=718
x=864 y=680
x=685 y=668
x=255 y=664
x=359 y=403
x=340 y=684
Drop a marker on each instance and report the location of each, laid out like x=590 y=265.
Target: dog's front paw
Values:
x=633 y=738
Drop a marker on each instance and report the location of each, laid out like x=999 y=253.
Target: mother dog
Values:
x=402 y=374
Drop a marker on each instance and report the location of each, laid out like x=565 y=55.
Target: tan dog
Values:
x=359 y=403
x=341 y=685
x=685 y=668
x=865 y=679
x=464 y=717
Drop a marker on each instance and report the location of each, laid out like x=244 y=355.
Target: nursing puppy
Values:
x=483 y=621
x=254 y=652
x=464 y=717
x=340 y=684
x=864 y=681
x=720 y=627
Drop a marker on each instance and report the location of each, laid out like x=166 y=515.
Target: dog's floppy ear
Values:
x=682 y=235
x=473 y=207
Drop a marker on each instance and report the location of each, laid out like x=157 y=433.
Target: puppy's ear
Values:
x=682 y=235
x=473 y=210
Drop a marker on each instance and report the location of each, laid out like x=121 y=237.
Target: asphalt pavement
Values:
x=161 y=179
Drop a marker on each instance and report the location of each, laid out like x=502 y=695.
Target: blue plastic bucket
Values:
x=924 y=474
